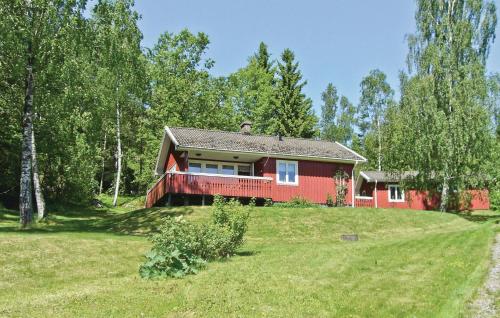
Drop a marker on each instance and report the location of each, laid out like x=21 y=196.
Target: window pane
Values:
x=282 y=172
x=291 y=172
x=211 y=168
x=393 y=193
x=228 y=170
x=243 y=170
x=194 y=167
x=399 y=193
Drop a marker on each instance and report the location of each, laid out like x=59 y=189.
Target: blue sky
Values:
x=337 y=41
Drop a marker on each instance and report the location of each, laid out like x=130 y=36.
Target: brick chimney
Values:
x=246 y=127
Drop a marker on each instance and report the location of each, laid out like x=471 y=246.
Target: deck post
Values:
x=376 y=196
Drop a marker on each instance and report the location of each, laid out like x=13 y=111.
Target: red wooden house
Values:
x=382 y=189
x=195 y=164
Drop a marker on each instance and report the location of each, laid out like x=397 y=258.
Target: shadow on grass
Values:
x=480 y=217
x=93 y=220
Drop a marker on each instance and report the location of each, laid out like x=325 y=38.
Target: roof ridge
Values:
x=258 y=135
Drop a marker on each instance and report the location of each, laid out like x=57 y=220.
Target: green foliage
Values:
x=296 y=202
x=293 y=115
x=340 y=179
x=174 y=251
x=182 y=248
x=329 y=200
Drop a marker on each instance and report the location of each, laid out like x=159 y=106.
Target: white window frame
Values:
x=396 y=187
x=286 y=182
x=220 y=164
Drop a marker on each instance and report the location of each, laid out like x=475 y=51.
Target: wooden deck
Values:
x=208 y=184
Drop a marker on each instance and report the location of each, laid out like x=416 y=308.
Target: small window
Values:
x=396 y=194
x=194 y=167
x=211 y=168
x=287 y=172
x=229 y=170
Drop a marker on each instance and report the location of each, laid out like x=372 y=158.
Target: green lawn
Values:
x=84 y=262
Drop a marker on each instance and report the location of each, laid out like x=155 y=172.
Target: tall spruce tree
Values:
x=445 y=130
x=293 y=114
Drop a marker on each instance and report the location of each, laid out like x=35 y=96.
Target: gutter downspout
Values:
x=352 y=183
x=376 y=195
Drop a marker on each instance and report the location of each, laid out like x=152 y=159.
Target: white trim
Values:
x=159 y=170
x=354 y=152
x=361 y=197
x=220 y=175
x=220 y=164
x=376 y=194
x=171 y=136
x=367 y=178
x=353 y=203
x=397 y=187
x=287 y=162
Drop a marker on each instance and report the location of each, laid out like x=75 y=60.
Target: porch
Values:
x=197 y=183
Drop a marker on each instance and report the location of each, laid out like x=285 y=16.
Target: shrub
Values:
x=495 y=199
x=182 y=248
x=329 y=200
x=296 y=202
x=268 y=202
x=174 y=251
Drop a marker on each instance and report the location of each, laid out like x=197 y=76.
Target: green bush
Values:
x=296 y=202
x=174 y=251
x=495 y=199
x=182 y=248
x=329 y=200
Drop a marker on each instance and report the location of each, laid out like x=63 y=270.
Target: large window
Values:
x=396 y=194
x=287 y=172
x=194 y=167
x=214 y=167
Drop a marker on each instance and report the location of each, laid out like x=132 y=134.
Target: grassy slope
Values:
x=407 y=263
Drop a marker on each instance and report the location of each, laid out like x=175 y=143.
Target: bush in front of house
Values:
x=182 y=248
x=296 y=202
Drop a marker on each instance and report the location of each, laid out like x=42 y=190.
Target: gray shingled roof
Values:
x=235 y=141
x=384 y=176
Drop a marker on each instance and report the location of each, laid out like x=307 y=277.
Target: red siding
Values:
x=419 y=200
x=315 y=180
x=174 y=158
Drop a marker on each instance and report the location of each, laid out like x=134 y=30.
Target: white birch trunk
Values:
x=379 y=145
x=118 y=156
x=102 y=165
x=25 y=193
x=40 y=202
x=444 y=196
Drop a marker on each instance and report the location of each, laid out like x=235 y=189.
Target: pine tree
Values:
x=293 y=115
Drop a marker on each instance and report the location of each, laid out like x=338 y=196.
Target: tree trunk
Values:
x=444 y=196
x=25 y=194
x=118 y=156
x=379 y=145
x=102 y=166
x=40 y=202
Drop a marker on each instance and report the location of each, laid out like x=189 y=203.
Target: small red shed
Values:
x=381 y=189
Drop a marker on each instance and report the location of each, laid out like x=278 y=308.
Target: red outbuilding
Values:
x=383 y=190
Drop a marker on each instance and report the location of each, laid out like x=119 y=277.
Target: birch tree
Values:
x=445 y=131
x=376 y=95
x=121 y=72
